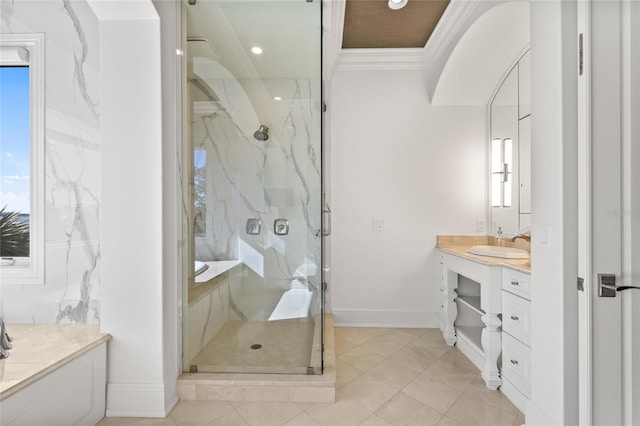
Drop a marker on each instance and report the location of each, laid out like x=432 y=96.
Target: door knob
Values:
x=607 y=286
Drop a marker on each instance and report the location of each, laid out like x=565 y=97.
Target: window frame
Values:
x=30 y=270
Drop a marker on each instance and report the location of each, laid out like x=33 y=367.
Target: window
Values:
x=22 y=159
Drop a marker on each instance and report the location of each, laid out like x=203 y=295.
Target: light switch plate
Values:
x=378 y=225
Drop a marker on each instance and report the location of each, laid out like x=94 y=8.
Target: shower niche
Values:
x=252 y=132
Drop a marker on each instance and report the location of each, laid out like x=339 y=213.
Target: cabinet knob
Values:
x=515 y=283
x=515 y=318
x=514 y=362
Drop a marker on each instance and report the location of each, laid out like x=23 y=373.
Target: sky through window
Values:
x=14 y=139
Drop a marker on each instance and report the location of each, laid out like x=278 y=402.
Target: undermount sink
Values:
x=502 y=252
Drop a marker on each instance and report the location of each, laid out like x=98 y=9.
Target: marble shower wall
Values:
x=279 y=178
x=72 y=156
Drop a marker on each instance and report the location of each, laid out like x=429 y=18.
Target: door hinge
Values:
x=580 y=284
x=580 y=54
x=324 y=286
x=324 y=107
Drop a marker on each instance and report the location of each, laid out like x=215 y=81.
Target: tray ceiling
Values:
x=372 y=24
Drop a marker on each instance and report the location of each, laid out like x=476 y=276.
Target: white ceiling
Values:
x=289 y=33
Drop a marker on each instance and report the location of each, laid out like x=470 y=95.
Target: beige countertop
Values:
x=39 y=349
x=459 y=245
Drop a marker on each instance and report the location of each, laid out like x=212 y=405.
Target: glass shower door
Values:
x=254 y=108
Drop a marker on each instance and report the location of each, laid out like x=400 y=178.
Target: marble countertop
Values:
x=459 y=245
x=39 y=349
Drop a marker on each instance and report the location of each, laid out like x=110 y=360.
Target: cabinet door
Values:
x=516 y=317
x=516 y=283
x=524 y=130
x=504 y=156
x=524 y=85
x=516 y=360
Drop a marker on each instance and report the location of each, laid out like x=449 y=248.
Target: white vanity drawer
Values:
x=516 y=363
x=516 y=317
x=516 y=283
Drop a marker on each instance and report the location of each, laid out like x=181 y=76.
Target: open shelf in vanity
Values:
x=472 y=302
x=468 y=323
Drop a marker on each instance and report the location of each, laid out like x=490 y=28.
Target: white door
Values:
x=609 y=210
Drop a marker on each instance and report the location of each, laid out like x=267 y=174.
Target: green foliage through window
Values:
x=14 y=234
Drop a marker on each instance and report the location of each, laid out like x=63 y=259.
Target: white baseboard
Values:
x=470 y=352
x=170 y=395
x=384 y=318
x=137 y=400
x=515 y=396
x=536 y=417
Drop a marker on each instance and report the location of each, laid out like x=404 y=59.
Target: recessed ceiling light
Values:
x=397 y=4
x=277 y=98
x=256 y=50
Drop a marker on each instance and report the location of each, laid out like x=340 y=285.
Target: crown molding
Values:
x=454 y=22
x=380 y=59
x=333 y=17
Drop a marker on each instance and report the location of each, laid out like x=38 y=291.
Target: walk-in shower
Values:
x=254 y=205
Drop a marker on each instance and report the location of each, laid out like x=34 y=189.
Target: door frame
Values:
x=630 y=30
x=606 y=385
x=584 y=216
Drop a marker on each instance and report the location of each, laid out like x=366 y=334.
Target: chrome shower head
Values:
x=262 y=134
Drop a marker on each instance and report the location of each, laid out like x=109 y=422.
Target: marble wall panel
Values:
x=279 y=178
x=72 y=158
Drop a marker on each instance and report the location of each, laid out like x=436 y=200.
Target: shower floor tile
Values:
x=285 y=347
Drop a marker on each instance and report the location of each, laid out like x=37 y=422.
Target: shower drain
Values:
x=256 y=346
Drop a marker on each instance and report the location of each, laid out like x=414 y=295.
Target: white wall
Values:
x=171 y=39
x=417 y=167
x=483 y=56
x=132 y=215
x=554 y=332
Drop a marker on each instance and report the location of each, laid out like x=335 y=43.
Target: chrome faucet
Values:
x=524 y=236
x=5 y=340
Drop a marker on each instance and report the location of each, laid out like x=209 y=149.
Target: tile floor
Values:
x=384 y=377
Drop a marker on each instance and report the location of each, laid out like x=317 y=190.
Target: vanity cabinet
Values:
x=516 y=332
x=486 y=313
x=524 y=85
x=524 y=138
x=471 y=307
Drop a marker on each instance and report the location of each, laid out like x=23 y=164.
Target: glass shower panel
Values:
x=255 y=132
